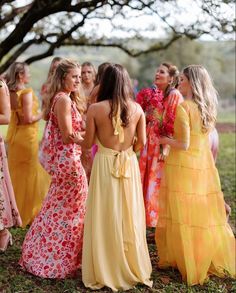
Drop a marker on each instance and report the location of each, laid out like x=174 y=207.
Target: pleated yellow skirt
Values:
x=192 y=233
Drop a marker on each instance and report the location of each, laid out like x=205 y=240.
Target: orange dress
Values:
x=160 y=115
x=192 y=232
x=30 y=181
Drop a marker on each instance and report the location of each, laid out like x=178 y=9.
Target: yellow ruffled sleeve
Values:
x=182 y=124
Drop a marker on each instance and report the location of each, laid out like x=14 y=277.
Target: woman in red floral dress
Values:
x=53 y=245
x=159 y=104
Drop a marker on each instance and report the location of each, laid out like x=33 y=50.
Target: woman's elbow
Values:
x=6 y=120
x=185 y=146
x=66 y=140
x=139 y=145
x=28 y=120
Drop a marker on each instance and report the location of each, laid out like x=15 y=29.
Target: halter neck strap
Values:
x=117 y=125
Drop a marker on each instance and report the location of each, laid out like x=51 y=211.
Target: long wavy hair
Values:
x=115 y=86
x=52 y=69
x=13 y=74
x=101 y=69
x=57 y=84
x=204 y=94
x=174 y=73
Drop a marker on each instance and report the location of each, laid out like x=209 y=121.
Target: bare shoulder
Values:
x=175 y=94
x=136 y=109
x=63 y=100
x=100 y=106
x=63 y=104
x=139 y=108
x=27 y=96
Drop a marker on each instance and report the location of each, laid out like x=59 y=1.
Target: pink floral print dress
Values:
x=53 y=245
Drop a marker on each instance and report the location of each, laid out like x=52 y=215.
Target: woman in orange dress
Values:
x=30 y=181
x=192 y=232
x=9 y=215
x=159 y=104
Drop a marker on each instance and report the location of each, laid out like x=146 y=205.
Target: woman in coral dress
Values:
x=115 y=252
x=30 y=181
x=159 y=104
x=192 y=232
x=9 y=215
x=53 y=245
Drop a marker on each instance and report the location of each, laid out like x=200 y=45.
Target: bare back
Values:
x=105 y=129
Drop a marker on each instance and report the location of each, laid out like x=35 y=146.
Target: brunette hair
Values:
x=204 y=94
x=174 y=73
x=115 y=86
x=52 y=67
x=101 y=69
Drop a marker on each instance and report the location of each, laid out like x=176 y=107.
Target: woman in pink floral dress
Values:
x=159 y=104
x=9 y=215
x=53 y=245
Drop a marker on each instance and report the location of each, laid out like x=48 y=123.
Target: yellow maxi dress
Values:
x=115 y=252
x=30 y=181
x=192 y=233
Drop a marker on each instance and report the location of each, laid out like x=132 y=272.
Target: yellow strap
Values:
x=117 y=125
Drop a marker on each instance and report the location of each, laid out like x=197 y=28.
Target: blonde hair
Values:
x=204 y=94
x=57 y=84
x=12 y=75
x=94 y=72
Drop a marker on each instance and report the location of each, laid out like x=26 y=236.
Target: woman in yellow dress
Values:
x=30 y=181
x=115 y=252
x=192 y=233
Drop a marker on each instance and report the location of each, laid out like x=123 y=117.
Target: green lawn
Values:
x=13 y=280
x=226 y=117
x=3 y=131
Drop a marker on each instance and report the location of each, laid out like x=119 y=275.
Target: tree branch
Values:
x=15 y=12
x=37 y=11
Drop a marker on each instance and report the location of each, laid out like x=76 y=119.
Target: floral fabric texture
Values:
x=160 y=115
x=53 y=245
x=9 y=215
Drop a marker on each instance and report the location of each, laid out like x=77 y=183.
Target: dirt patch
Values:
x=225 y=127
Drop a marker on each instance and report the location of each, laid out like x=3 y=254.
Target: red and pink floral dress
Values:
x=53 y=245
x=160 y=115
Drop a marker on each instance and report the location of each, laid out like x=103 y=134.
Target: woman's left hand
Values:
x=165 y=152
x=163 y=140
x=77 y=137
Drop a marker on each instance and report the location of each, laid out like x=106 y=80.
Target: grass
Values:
x=13 y=280
x=226 y=117
x=226 y=166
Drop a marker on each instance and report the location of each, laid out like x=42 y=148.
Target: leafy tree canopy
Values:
x=109 y=23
